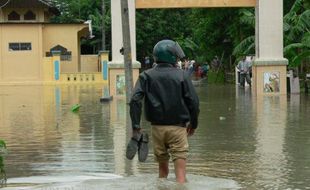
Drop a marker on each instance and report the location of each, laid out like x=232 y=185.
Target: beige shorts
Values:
x=169 y=140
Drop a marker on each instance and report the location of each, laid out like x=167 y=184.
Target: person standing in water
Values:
x=170 y=104
x=244 y=67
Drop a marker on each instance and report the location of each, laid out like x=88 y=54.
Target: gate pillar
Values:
x=269 y=68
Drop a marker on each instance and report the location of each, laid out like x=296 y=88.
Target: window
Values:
x=13 y=46
x=65 y=55
x=29 y=16
x=20 y=47
x=25 y=46
x=46 y=16
x=13 y=16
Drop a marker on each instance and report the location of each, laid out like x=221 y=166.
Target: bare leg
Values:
x=180 y=167
x=163 y=168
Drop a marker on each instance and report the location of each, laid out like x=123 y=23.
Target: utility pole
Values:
x=103 y=47
x=127 y=49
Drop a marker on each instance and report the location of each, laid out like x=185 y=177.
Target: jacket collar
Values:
x=164 y=65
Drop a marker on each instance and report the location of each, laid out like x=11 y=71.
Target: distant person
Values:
x=147 y=62
x=186 y=65
x=215 y=63
x=191 y=67
x=244 y=68
x=171 y=105
x=205 y=69
x=179 y=65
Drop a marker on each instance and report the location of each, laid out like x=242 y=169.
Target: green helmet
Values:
x=167 y=51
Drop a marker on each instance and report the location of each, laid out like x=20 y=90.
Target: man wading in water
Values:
x=171 y=105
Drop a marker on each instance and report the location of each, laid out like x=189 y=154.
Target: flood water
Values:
x=243 y=141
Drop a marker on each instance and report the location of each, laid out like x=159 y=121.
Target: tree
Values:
x=73 y=11
x=103 y=46
x=246 y=46
x=297 y=33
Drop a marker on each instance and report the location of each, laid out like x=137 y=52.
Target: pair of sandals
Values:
x=138 y=143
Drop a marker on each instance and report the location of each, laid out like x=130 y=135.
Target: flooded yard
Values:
x=243 y=141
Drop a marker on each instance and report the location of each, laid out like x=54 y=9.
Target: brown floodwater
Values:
x=243 y=141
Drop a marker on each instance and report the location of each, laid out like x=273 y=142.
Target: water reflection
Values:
x=242 y=140
x=271 y=162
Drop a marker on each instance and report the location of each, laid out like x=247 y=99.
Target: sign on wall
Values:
x=271 y=82
x=120 y=85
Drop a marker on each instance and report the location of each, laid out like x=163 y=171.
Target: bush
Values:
x=2 y=171
x=216 y=77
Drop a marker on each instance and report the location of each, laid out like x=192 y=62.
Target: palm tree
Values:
x=247 y=45
x=296 y=34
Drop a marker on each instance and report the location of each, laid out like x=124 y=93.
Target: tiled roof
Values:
x=25 y=3
x=29 y=4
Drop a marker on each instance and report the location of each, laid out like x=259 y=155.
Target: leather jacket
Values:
x=169 y=97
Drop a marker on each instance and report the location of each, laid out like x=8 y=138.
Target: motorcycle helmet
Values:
x=167 y=51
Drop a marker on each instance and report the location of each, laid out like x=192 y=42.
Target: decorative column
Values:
x=269 y=68
x=116 y=66
x=56 y=64
x=104 y=58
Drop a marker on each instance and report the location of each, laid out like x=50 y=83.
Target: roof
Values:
x=47 y=23
x=29 y=4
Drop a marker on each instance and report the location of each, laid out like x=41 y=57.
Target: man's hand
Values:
x=190 y=131
x=136 y=133
x=136 y=130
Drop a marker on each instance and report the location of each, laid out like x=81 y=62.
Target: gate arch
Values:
x=268 y=34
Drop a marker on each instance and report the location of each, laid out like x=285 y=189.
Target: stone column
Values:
x=269 y=68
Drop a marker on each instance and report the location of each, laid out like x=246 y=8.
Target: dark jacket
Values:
x=169 y=97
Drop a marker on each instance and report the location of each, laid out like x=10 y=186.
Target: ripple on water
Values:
x=115 y=182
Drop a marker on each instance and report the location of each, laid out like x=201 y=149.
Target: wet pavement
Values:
x=243 y=142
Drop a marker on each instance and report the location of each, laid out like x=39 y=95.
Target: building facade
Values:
x=27 y=40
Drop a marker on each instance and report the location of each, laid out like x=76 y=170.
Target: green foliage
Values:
x=296 y=29
x=2 y=170
x=202 y=33
x=153 y=25
x=78 y=11
x=216 y=77
x=2 y=145
x=246 y=45
x=297 y=33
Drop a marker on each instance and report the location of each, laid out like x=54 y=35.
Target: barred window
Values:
x=13 y=16
x=29 y=16
x=66 y=57
x=25 y=46
x=20 y=46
